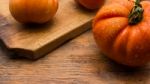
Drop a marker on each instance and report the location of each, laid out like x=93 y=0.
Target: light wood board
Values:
x=35 y=41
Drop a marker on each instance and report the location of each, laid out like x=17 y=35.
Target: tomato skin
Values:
x=33 y=11
x=126 y=44
x=90 y=4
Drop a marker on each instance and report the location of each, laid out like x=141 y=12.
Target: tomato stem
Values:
x=136 y=14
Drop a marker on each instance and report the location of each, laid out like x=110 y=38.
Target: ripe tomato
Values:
x=90 y=4
x=122 y=31
x=33 y=11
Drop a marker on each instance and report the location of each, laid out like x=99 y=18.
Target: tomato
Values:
x=90 y=4
x=122 y=32
x=33 y=11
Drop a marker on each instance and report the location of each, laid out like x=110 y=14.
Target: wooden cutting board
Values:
x=34 y=41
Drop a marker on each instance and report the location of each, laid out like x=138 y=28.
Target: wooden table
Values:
x=77 y=62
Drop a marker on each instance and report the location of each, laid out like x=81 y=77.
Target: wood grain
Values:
x=77 y=62
x=34 y=41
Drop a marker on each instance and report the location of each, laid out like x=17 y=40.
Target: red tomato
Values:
x=90 y=4
x=122 y=35
x=33 y=11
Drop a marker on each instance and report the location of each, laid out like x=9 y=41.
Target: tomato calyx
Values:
x=136 y=14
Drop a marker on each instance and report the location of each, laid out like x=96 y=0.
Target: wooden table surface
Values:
x=77 y=62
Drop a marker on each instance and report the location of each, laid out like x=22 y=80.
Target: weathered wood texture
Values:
x=77 y=62
x=34 y=41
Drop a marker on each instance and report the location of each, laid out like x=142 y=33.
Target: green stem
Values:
x=136 y=14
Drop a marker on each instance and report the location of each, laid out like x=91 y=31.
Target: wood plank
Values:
x=77 y=62
x=35 y=41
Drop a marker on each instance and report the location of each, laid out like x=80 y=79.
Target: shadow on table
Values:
x=109 y=70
